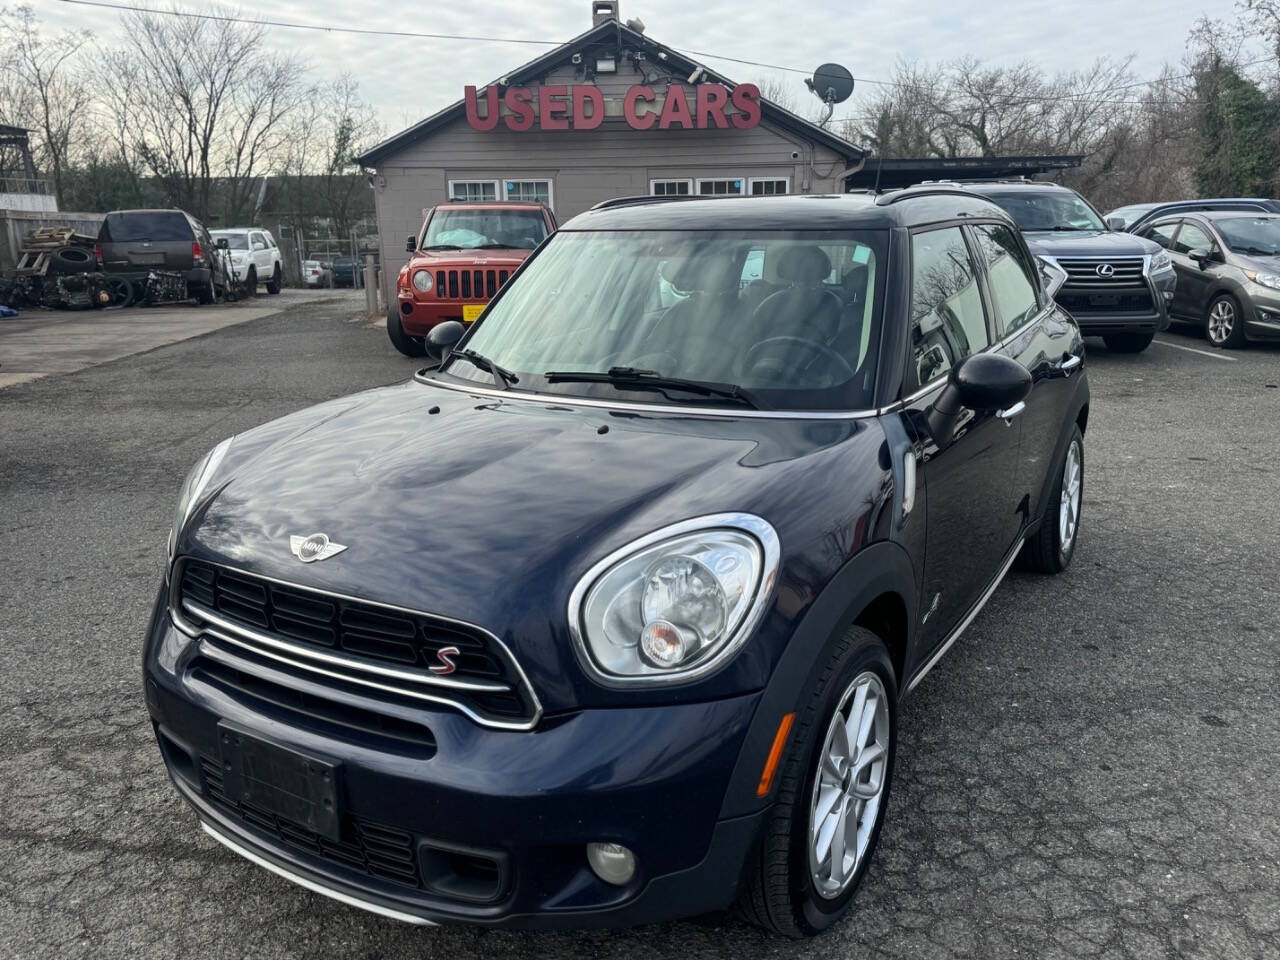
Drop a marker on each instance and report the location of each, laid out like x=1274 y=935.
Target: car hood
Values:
x=469 y=258
x=489 y=511
x=1265 y=264
x=1092 y=244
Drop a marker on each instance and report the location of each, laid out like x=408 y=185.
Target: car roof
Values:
x=239 y=230
x=1232 y=214
x=909 y=207
x=989 y=187
x=491 y=205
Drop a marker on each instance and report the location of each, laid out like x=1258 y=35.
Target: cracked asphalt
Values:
x=1092 y=772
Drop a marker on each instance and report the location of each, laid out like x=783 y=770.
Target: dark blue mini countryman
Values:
x=605 y=618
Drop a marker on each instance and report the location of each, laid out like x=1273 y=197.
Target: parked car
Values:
x=1115 y=285
x=317 y=273
x=461 y=257
x=606 y=618
x=344 y=271
x=1228 y=265
x=133 y=243
x=255 y=257
x=1121 y=219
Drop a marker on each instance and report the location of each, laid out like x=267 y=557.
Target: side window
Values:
x=1192 y=238
x=947 y=319
x=1163 y=234
x=1010 y=275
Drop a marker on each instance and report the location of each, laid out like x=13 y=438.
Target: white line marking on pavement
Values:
x=1203 y=353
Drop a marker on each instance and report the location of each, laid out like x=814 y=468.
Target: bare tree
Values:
x=45 y=89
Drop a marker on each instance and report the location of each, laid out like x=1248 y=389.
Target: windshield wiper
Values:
x=504 y=377
x=496 y=246
x=631 y=378
x=442 y=246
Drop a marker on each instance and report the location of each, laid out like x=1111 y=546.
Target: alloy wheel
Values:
x=1069 y=509
x=1222 y=320
x=849 y=786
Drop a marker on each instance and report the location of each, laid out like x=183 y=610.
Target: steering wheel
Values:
x=817 y=348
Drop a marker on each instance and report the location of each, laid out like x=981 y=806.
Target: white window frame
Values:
x=496 y=184
x=551 y=187
x=752 y=181
x=701 y=180
x=657 y=180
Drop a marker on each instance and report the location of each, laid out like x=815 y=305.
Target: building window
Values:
x=534 y=191
x=769 y=186
x=473 y=189
x=729 y=187
x=670 y=188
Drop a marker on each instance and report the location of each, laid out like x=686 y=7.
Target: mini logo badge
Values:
x=1104 y=270
x=318 y=546
x=446 y=664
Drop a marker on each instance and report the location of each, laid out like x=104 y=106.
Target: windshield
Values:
x=1259 y=236
x=1050 y=210
x=791 y=317
x=155 y=226
x=465 y=229
x=235 y=241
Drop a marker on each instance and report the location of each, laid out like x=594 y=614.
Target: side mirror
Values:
x=259 y=245
x=983 y=381
x=1115 y=223
x=222 y=243
x=411 y=244
x=443 y=338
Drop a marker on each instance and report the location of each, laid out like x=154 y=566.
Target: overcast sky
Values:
x=407 y=79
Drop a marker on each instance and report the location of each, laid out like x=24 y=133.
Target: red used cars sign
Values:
x=581 y=107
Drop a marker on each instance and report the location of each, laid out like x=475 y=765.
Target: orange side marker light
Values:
x=775 y=754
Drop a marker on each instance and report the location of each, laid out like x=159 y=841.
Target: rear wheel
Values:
x=1054 y=543
x=1224 y=326
x=1128 y=342
x=409 y=346
x=273 y=285
x=833 y=791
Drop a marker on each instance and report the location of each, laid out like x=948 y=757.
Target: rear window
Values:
x=157 y=226
x=235 y=241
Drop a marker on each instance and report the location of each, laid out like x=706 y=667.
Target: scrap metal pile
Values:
x=59 y=269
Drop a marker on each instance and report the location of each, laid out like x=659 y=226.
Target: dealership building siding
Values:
x=444 y=156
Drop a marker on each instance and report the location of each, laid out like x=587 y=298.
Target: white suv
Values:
x=255 y=258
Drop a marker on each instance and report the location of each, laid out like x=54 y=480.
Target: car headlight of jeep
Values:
x=1271 y=280
x=674 y=605
x=192 y=487
x=422 y=281
x=1160 y=261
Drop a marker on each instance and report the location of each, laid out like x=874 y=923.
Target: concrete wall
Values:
x=584 y=167
x=16 y=224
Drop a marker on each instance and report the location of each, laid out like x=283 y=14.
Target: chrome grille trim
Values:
x=1082 y=272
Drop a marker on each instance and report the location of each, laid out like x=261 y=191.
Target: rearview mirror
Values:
x=411 y=244
x=981 y=382
x=443 y=338
x=1115 y=223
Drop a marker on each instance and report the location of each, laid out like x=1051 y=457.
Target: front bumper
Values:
x=417 y=317
x=653 y=778
x=1262 y=313
x=1151 y=318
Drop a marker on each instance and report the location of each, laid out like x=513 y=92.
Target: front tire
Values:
x=409 y=346
x=273 y=285
x=1054 y=544
x=1128 y=342
x=833 y=791
x=1224 y=324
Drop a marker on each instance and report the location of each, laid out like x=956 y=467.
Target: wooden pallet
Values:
x=47 y=238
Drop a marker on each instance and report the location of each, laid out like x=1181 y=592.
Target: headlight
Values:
x=1160 y=261
x=1271 y=280
x=422 y=281
x=192 y=487
x=675 y=605
x=1052 y=276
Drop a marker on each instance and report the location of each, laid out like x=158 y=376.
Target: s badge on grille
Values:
x=318 y=546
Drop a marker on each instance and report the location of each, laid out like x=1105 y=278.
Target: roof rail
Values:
x=910 y=193
x=645 y=198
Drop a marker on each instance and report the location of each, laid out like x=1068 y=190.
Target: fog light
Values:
x=612 y=862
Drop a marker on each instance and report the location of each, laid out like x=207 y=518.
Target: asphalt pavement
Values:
x=1092 y=772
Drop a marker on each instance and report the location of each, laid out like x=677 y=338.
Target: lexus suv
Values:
x=1116 y=285
x=255 y=258
x=606 y=615
x=463 y=254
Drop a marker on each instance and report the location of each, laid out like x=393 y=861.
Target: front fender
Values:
x=881 y=568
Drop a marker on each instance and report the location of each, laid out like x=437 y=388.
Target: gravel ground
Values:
x=1091 y=772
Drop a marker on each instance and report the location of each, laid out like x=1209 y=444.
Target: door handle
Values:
x=1069 y=363
x=1008 y=415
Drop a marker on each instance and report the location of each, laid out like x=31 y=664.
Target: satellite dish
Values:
x=831 y=83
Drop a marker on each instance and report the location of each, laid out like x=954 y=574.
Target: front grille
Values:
x=355 y=645
x=377 y=851
x=1086 y=303
x=469 y=284
x=1083 y=274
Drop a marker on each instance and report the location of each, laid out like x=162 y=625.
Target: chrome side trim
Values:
x=312 y=885
x=240 y=634
x=771 y=553
x=969 y=618
x=565 y=400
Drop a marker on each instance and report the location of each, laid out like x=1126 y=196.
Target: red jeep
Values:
x=464 y=253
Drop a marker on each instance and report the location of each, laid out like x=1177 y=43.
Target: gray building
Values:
x=610 y=113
